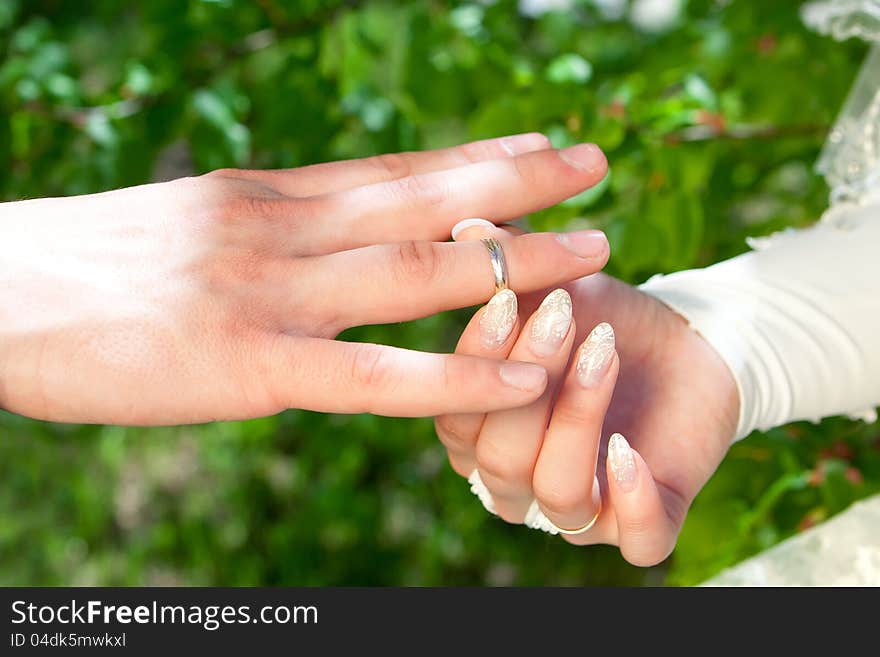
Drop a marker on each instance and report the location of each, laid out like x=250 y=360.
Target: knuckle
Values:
x=447 y=373
x=394 y=165
x=453 y=434
x=475 y=151
x=462 y=466
x=423 y=190
x=416 y=261
x=524 y=170
x=499 y=465
x=241 y=208
x=225 y=172
x=258 y=207
x=370 y=369
x=540 y=141
x=560 y=499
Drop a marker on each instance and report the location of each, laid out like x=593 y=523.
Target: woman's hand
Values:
x=218 y=297
x=675 y=401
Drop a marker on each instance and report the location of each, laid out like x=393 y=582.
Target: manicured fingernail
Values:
x=525 y=143
x=524 y=376
x=464 y=224
x=623 y=465
x=550 y=324
x=595 y=355
x=587 y=157
x=498 y=319
x=584 y=243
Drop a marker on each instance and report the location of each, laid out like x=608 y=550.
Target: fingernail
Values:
x=587 y=157
x=525 y=143
x=584 y=243
x=623 y=465
x=498 y=319
x=595 y=355
x=464 y=224
x=550 y=324
x=523 y=376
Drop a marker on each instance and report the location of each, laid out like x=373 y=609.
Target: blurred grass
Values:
x=711 y=123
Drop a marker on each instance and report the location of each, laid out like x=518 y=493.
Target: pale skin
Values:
x=219 y=297
x=663 y=387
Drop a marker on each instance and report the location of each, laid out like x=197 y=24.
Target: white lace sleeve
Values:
x=797 y=320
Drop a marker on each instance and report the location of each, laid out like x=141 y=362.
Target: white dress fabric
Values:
x=797 y=320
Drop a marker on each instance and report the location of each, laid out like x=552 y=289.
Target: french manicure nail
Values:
x=525 y=143
x=587 y=157
x=523 y=376
x=550 y=324
x=464 y=224
x=584 y=243
x=623 y=465
x=595 y=355
x=498 y=319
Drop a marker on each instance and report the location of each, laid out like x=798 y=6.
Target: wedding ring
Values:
x=585 y=528
x=536 y=519
x=499 y=263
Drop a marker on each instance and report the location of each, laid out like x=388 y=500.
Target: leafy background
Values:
x=711 y=114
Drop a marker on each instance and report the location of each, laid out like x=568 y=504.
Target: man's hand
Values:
x=218 y=297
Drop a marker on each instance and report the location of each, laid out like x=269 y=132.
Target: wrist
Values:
x=21 y=261
x=702 y=329
x=9 y=214
x=720 y=389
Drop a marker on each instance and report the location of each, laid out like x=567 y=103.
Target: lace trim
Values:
x=843 y=19
x=850 y=159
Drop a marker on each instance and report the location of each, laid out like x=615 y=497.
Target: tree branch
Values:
x=745 y=132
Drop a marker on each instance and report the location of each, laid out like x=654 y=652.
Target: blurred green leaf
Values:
x=569 y=68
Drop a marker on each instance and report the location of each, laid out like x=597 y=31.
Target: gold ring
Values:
x=585 y=528
x=499 y=262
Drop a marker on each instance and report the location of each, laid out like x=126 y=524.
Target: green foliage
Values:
x=711 y=129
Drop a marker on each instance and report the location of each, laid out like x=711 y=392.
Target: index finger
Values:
x=426 y=206
x=329 y=177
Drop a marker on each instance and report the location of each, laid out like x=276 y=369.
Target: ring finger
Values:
x=510 y=441
x=400 y=282
x=491 y=333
